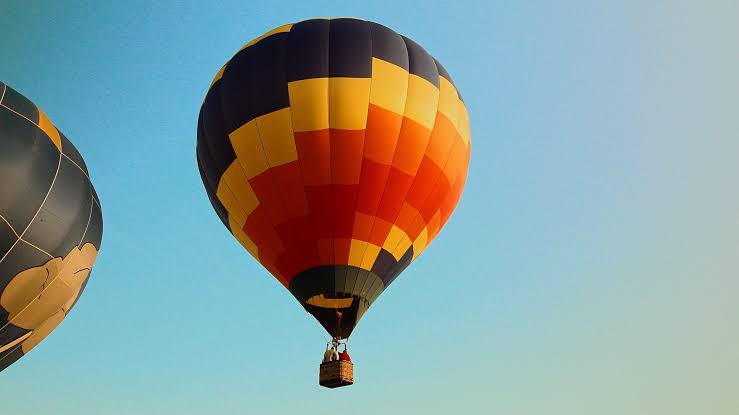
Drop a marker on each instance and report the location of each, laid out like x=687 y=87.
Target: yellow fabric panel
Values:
x=45 y=124
x=323 y=302
x=356 y=250
x=278 y=141
x=236 y=214
x=401 y=246
x=389 y=87
x=370 y=255
x=448 y=100
x=237 y=226
x=240 y=187
x=420 y=243
x=422 y=100
x=248 y=148
x=32 y=297
x=309 y=104
x=281 y=29
x=464 y=124
x=393 y=238
x=226 y=196
x=348 y=103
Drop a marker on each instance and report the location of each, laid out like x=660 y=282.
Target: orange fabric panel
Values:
x=457 y=161
x=393 y=197
x=362 y=226
x=406 y=216
x=450 y=202
x=381 y=134
x=416 y=227
x=432 y=203
x=442 y=139
x=423 y=184
x=411 y=146
x=380 y=230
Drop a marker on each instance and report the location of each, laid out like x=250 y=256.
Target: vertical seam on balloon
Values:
x=89 y=216
x=21 y=115
x=269 y=167
x=436 y=116
x=437 y=183
x=214 y=191
x=10 y=226
x=236 y=157
x=206 y=148
x=361 y=162
x=38 y=210
x=330 y=175
x=208 y=188
x=395 y=150
x=5 y=88
x=76 y=165
x=295 y=142
x=241 y=208
x=95 y=199
x=434 y=188
x=228 y=138
x=37 y=248
x=428 y=142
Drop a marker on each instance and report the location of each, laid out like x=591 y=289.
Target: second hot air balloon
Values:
x=334 y=150
x=51 y=226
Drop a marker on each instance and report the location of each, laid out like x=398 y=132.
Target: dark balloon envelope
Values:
x=50 y=226
x=334 y=150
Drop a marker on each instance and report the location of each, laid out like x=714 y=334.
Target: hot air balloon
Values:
x=334 y=151
x=50 y=226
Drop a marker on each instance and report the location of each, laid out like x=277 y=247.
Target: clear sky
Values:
x=592 y=265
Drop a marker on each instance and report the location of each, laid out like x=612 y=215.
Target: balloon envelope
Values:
x=334 y=150
x=50 y=226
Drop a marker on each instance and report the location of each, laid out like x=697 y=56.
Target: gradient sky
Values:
x=592 y=266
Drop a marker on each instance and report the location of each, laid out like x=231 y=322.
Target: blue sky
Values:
x=591 y=266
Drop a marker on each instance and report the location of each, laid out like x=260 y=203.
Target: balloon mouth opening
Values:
x=334 y=301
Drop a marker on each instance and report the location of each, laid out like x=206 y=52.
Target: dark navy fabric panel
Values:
x=420 y=63
x=61 y=222
x=389 y=46
x=20 y=104
x=307 y=50
x=254 y=82
x=28 y=162
x=350 y=49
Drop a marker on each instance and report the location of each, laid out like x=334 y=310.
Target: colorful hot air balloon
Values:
x=50 y=226
x=334 y=150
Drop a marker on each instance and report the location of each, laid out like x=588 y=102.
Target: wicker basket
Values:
x=336 y=374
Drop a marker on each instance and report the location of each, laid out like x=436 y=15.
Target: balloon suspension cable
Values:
x=336 y=342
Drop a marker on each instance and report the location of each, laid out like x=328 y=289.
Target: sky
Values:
x=590 y=267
